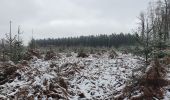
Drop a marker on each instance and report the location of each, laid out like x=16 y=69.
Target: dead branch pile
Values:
x=31 y=53
x=54 y=88
x=69 y=69
x=82 y=54
x=50 y=55
x=7 y=73
x=150 y=85
x=112 y=54
x=68 y=55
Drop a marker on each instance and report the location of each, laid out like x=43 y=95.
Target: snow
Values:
x=96 y=78
x=167 y=92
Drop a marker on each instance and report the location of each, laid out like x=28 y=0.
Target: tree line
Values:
x=113 y=40
x=152 y=34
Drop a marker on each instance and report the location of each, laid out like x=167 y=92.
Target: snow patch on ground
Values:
x=96 y=78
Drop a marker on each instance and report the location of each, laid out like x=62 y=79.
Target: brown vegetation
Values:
x=151 y=84
x=113 y=54
x=82 y=54
x=50 y=55
x=7 y=72
x=31 y=53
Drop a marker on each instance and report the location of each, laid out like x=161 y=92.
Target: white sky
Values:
x=64 y=18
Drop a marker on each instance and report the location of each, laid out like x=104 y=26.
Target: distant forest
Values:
x=113 y=40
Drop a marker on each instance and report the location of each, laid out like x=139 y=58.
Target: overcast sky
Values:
x=64 y=18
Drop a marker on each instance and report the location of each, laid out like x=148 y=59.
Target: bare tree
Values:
x=155 y=27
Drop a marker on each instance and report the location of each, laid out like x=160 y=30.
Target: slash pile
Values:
x=70 y=77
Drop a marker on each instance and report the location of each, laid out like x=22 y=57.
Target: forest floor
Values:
x=74 y=78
